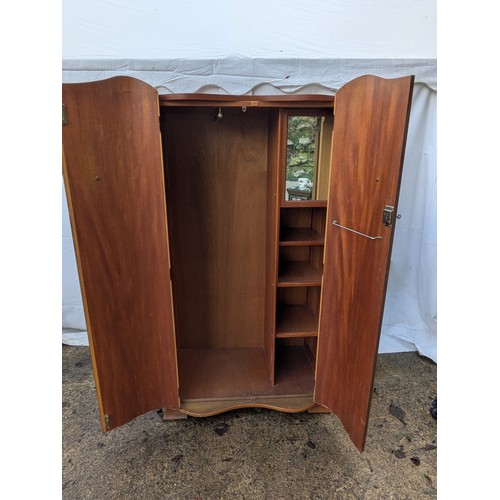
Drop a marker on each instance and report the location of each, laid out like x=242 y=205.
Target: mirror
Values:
x=307 y=157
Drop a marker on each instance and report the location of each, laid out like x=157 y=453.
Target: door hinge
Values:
x=64 y=115
x=107 y=422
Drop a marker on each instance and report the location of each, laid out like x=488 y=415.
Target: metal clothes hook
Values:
x=218 y=115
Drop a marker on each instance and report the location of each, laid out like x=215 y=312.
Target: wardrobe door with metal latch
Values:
x=370 y=127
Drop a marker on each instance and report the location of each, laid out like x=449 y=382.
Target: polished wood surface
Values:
x=270 y=101
x=371 y=120
x=298 y=236
x=303 y=204
x=292 y=295
x=264 y=291
x=302 y=225
x=295 y=321
x=297 y=273
x=296 y=217
x=324 y=157
x=225 y=374
x=114 y=182
x=287 y=404
x=216 y=176
x=272 y=240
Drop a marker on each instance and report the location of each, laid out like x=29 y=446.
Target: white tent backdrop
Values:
x=280 y=47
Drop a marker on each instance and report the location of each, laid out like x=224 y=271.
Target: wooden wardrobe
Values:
x=233 y=251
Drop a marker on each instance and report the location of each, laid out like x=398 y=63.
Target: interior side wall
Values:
x=216 y=176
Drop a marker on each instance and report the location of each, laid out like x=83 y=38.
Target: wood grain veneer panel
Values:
x=298 y=273
x=287 y=404
x=242 y=373
x=324 y=157
x=217 y=179
x=299 y=236
x=295 y=217
x=272 y=240
x=114 y=180
x=271 y=101
x=292 y=295
x=371 y=119
x=295 y=321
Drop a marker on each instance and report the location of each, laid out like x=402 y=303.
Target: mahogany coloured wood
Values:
x=303 y=204
x=217 y=175
x=371 y=120
x=271 y=101
x=231 y=308
x=297 y=273
x=114 y=181
x=295 y=321
x=324 y=157
x=224 y=374
x=272 y=240
x=298 y=236
x=292 y=295
x=293 y=403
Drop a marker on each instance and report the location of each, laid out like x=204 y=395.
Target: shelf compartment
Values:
x=296 y=236
x=226 y=377
x=295 y=321
x=304 y=204
x=298 y=273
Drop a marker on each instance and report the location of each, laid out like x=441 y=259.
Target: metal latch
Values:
x=388 y=216
x=107 y=422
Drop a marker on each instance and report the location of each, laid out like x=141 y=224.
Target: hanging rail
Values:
x=335 y=223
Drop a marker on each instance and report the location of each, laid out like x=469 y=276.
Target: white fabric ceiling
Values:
x=237 y=47
x=281 y=47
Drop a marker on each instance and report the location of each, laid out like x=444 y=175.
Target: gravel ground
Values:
x=254 y=453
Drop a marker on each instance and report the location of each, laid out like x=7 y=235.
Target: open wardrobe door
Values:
x=113 y=172
x=370 y=126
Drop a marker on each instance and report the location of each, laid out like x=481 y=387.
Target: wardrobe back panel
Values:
x=216 y=176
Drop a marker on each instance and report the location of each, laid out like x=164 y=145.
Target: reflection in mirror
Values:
x=307 y=157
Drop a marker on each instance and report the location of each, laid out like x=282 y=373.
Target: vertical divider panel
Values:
x=274 y=161
x=324 y=153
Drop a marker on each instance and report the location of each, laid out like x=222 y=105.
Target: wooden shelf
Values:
x=295 y=321
x=303 y=204
x=298 y=273
x=296 y=236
